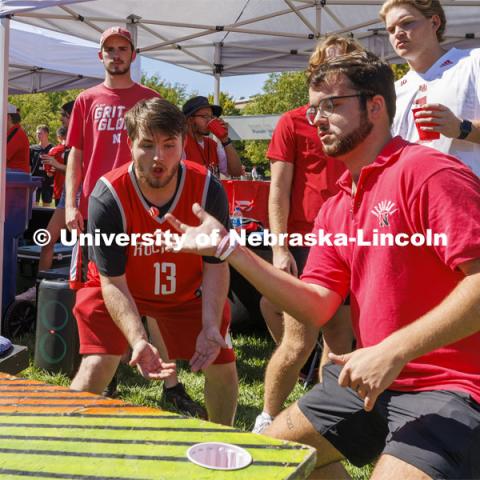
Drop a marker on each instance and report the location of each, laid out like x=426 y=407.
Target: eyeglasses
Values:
x=205 y=117
x=326 y=107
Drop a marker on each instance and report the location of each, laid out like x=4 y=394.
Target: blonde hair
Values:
x=344 y=46
x=428 y=8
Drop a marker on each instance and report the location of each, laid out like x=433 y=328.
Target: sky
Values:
x=238 y=86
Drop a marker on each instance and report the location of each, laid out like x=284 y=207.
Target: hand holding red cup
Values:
x=423 y=134
x=47 y=167
x=218 y=128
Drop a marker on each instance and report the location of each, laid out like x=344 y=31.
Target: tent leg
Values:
x=216 y=90
x=4 y=48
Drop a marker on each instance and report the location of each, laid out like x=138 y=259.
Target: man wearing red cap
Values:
x=97 y=130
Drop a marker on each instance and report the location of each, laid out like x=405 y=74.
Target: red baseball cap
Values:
x=118 y=31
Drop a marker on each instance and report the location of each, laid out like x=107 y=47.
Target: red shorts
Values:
x=179 y=327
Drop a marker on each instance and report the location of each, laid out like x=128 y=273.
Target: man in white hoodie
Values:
x=446 y=83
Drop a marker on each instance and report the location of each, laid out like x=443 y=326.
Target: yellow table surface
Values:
x=50 y=432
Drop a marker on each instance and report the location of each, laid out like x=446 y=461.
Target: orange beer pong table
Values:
x=50 y=432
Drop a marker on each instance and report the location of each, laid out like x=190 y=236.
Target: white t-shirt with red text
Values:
x=454 y=81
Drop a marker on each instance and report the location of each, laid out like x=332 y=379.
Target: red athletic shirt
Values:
x=97 y=127
x=408 y=189
x=158 y=280
x=58 y=177
x=206 y=156
x=314 y=176
x=18 y=150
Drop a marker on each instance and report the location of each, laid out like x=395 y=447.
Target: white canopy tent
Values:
x=233 y=37
x=222 y=37
x=42 y=61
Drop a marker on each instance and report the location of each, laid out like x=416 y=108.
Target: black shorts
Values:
x=436 y=431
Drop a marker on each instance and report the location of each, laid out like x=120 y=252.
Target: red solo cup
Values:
x=46 y=166
x=216 y=127
x=422 y=134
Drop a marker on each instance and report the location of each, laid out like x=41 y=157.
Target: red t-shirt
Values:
x=97 y=127
x=206 y=156
x=58 y=177
x=158 y=280
x=296 y=141
x=408 y=189
x=18 y=150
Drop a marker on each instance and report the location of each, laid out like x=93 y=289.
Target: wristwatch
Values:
x=229 y=141
x=465 y=129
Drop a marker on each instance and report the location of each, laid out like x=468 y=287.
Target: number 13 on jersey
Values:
x=165 y=278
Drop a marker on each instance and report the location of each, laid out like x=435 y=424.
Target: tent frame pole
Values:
x=4 y=49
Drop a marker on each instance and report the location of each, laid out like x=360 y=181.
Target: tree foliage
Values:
x=281 y=92
x=42 y=108
x=227 y=103
x=400 y=69
x=175 y=93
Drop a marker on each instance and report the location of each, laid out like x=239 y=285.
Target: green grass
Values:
x=253 y=352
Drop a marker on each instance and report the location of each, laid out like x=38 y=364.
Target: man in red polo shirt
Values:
x=18 y=146
x=402 y=237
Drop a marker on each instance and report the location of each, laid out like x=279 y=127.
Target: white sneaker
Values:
x=30 y=295
x=263 y=421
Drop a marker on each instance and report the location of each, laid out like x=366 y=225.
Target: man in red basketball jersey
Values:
x=182 y=296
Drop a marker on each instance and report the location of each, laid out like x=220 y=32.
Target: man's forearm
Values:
x=216 y=278
x=124 y=313
x=73 y=177
x=278 y=211
x=279 y=198
x=457 y=317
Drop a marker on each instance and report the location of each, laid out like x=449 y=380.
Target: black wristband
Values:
x=228 y=142
x=465 y=129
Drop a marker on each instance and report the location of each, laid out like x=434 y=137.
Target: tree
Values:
x=175 y=93
x=42 y=108
x=281 y=92
x=227 y=103
x=400 y=69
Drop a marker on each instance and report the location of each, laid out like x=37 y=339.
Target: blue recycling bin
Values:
x=18 y=211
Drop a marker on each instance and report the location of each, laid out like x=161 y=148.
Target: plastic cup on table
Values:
x=216 y=127
x=219 y=456
x=422 y=134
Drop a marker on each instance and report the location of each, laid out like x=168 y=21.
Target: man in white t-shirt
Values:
x=447 y=83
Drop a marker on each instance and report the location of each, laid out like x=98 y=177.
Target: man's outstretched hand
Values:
x=146 y=358
x=202 y=239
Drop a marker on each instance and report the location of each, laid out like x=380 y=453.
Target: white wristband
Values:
x=221 y=245
x=233 y=245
